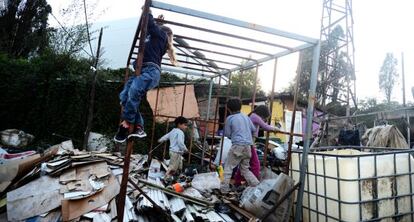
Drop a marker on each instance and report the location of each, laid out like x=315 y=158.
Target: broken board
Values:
x=72 y=209
x=35 y=198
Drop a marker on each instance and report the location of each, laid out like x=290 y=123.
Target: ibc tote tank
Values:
x=350 y=185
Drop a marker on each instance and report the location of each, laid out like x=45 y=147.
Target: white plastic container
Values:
x=335 y=177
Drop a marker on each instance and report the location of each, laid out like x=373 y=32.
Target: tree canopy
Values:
x=246 y=80
x=23 y=27
x=388 y=76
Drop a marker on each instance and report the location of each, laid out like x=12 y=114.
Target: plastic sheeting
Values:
x=384 y=136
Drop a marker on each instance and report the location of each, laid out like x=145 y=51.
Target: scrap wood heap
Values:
x=65 y=184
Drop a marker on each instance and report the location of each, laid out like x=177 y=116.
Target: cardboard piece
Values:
x=170 y=101
x=35 y=198
x=72 y=209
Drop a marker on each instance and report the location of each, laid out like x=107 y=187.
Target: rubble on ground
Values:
x=65 y=184
x=15 y=138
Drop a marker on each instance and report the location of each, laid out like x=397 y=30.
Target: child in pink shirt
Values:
x=258 y=117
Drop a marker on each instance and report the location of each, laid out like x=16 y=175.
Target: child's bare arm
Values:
x=164 y=138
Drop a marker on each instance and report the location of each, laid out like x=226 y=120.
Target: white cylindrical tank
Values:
x=367 y=184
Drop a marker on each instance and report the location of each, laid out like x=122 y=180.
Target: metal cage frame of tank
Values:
x=313 y=175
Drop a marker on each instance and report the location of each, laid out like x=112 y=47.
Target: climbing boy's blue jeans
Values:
x=135 y=90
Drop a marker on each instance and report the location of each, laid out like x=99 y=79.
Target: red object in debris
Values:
x=9 y=156
x=179 y=187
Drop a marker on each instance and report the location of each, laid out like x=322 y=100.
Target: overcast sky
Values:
x=381 y=26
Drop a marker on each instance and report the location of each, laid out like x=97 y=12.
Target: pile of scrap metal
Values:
x=65 y=184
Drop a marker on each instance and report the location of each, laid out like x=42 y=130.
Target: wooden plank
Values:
x=170 y=101
x=68 y=176
x=57 y=164
x=100 y=169
x=7 y=173
x=35 y=198
x=72 y=209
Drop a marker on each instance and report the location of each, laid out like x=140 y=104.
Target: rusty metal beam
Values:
x=233 y=22
x=292 y=123
x=191 y=68
x=226 y=34
x=207 y=59
x=272 y=96
x=215 y=52
x=196 y=64
x=130 y=143
x=222 y=45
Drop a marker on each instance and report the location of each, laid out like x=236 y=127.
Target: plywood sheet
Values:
x=68 y=176
x=72 y=209
x=35 y=198
x=170 y=100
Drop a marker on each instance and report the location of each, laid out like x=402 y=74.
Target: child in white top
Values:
x=177 y=145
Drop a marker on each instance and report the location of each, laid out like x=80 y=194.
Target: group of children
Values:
x=241 y=129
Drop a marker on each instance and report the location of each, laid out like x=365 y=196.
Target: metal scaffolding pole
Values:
x=295 y=102
x=404 y=104
x=338 y=13
x=130 y=143
x=207 y=118
x=255 y=86
x=225 y=115
x=215 y=118
x=231 y=21
x=272 y=96
x=308 y=135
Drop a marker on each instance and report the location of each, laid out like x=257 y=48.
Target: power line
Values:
x=69 y=35
x=87 y=26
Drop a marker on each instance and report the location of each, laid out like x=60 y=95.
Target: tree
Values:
x=388 y=76
x=331 y=77
x=71 y=36
x=245 y=80
x=23 y=27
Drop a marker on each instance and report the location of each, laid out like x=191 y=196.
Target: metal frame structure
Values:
x=214 y=49
x=339 y=13
x=324 y=204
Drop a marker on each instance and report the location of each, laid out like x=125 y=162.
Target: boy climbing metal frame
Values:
x=221 y=63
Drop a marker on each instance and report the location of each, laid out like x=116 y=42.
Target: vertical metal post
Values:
x=130 y=143
x=153 y=124
x=255 y=86
x=404 y=104
x=348 y=83
x=269 y=121
x=215 y=117
x=308 y=134
x=167 y=124
x=240 y=83
x=325 y=189
x=295 y=102
x=410 y=182
x=92 y=94
x=191 y=141
x=225 y=115
x=207 y=118
x=185 y=91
